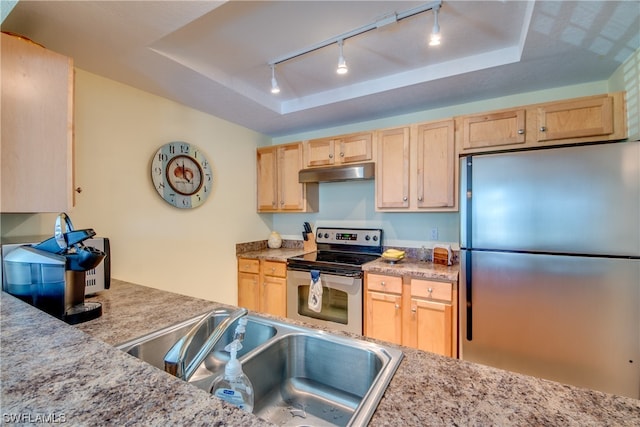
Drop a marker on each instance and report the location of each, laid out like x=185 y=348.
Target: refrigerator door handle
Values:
x=468 y=243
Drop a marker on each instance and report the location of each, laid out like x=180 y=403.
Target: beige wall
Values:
x=117 y=130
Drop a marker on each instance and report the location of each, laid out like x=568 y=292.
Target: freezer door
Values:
x=570 y=319
x=578 y=200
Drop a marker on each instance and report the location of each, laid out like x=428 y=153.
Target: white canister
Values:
x=274 y=241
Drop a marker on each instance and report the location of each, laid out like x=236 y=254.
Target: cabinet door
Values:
x=494 y=129
x=436 y=165
x=291 y=192
x=249 y=291
x=267 y=179
x=384 y=317
x=432 y=322
x=320 y=152
x=576 y=119
x=274 y=296
x=37 y=128
x=354 y=148
x=392 y=169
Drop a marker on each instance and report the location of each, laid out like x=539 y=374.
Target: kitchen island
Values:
x=58 y=373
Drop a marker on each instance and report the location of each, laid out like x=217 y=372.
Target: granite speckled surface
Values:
x=74 y=372
x=415 y=268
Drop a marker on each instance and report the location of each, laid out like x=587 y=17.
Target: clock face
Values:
x=181 y=174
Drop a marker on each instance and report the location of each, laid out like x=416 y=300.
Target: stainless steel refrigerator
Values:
x=550 y=264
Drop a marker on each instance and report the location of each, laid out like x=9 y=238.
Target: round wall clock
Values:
x=181 y=174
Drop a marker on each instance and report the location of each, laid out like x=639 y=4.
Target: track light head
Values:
x=434 y=40
x=275 y=89
x=342 y=64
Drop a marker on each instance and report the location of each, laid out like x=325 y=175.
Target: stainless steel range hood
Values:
x=360 y=171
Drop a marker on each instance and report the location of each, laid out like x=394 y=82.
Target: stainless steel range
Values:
x=338 y=261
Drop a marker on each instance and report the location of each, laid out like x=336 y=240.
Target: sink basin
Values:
x=152 y=348
x=300 y=376
x=315 y=379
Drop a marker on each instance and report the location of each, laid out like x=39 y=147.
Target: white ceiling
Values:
x=214 y=55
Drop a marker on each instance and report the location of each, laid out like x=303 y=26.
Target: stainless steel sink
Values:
x=300 y=376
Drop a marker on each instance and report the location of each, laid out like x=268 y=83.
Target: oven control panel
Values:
x=349 y=236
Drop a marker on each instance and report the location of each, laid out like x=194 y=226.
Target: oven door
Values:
x=341 y=301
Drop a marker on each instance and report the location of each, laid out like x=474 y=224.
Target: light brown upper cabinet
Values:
x=588 y=119
x=37 y=128
x=416 y=168
x=493 y=129
x=278 y=188
x=352 y=148
x=593 y=117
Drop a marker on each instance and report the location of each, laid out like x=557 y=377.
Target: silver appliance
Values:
x=550 y=264
x=338 y=259
x=96 y=279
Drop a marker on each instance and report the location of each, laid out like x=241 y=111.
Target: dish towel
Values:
x=315 y=292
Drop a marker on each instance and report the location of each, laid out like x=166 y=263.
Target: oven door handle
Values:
x=356 y=274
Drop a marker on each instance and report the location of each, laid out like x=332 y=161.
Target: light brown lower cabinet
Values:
x=262 y=286
x=414 y=312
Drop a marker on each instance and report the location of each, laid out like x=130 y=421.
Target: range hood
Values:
x=356 y=172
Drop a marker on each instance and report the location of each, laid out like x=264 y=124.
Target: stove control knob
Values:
x=326 y=235
x=367 y=237
x=375 y=238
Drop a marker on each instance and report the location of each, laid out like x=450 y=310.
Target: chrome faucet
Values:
x=175 y=361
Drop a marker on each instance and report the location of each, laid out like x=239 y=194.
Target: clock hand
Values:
x=184 y=173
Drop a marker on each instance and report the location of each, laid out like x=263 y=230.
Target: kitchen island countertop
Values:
x=51 y=370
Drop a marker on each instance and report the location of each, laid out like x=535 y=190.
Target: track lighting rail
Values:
x=386 y=20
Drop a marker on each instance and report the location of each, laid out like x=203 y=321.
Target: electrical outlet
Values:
x=434 y=233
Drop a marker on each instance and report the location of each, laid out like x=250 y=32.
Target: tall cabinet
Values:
x=416 y=168
x=37 y=128
x=278 y=187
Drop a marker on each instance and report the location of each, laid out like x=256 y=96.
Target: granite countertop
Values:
x=414 y=268
x=51 y=369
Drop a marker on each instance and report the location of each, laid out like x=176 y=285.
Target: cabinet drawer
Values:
x=274 y=268
x=380 y=283
x=248 y=265
x=430 y=289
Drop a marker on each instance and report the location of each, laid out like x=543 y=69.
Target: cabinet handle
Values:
x=331 y=156
x=281 y=202
x=341 y=154
x=273 y=269
x=430 y=290
x=79 y=190
x=414 y=310
x=520 y=131
x=543 y=129
x=397 y=306
x=420 y=198
x=382 y=283
x=405 y=198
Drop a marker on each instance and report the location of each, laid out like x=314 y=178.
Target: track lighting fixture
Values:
x=435 y=33
x=388 y=19
x=342 y=64
x=274 y=83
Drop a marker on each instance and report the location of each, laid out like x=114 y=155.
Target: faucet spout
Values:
x=176 y=361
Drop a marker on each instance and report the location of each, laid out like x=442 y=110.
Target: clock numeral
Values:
x=157 y=170
x=184 y=149
x=172 y=149
x=161 y=186
x=162 y=157
x=209 y=177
